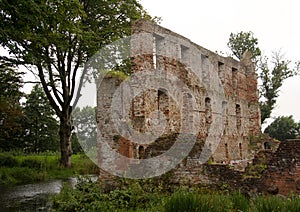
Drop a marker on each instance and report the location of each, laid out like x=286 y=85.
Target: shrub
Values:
x=89 y=196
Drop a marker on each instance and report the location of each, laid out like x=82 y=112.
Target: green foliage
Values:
x=254 y=171
x=124 y=69
x=241 y=42
x=20 y=175
x=31 y=128
x=268 y=204
x=8 y=160
x=55 y=39
x=119 y=74
x=19 y=169
x=282 y=128
x=183 y=201
x=240 y=202
x=130 y=195
x=142 y=195
x=10 y=109
x=271 y=77
x=32 y=163
x=275 y=203
x=40 y=126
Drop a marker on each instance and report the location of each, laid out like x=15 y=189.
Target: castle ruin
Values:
x=217 y=101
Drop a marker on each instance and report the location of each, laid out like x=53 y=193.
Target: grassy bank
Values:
x=146 y=196
x=16 y=168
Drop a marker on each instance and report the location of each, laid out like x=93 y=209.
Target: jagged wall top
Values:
x=245 y=66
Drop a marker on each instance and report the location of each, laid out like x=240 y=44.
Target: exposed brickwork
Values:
x=283 y=173
x=200 y=70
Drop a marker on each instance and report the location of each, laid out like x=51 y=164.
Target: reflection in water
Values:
x=31 y=197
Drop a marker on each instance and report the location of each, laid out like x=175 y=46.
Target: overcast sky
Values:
x=209 y=23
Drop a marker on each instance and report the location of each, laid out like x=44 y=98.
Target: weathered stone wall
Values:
x=283 y=169
x=225 y=92
x=200 y=69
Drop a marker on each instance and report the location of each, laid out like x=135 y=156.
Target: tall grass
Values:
x=183 y=201
x=239 y=202
x=191 y=201
x=18 y=169
x=275 y=203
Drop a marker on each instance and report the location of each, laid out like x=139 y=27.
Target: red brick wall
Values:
x=283 y=172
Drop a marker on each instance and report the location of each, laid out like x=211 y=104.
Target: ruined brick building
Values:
x=188 y=90
x=225 y=109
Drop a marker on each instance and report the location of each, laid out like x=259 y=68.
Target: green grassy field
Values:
x=16 y=168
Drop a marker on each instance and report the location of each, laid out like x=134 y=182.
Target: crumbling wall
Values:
x=200 y=68
x=224 y=90
x=283 y=170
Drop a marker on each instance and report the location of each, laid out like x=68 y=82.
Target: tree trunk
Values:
x=65 y=132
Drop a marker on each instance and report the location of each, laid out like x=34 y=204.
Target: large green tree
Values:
x=10 y=109
x=40 y=126
x=55 y=38
x=282 y=128
x=272 y=72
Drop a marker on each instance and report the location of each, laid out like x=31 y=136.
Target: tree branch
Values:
x=78 y=95
x=52 y=81
x=78 y=62
x=47 y=92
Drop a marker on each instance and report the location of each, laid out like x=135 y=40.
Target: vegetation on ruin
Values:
x=254 y=170
x=147 y=195
x=241 y=42
x=118 y=74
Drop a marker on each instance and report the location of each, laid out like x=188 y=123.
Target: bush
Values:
x=90 y=196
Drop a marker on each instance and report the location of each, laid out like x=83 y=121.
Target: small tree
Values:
x=11 y=112
x=271 y=77
x=271 y=82
x=244 y=41
x=282 y=128
x=41 y=128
